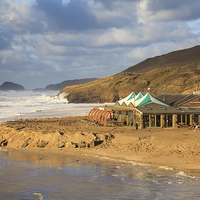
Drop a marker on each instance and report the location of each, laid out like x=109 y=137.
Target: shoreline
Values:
x=172 y=150
x=49 y=156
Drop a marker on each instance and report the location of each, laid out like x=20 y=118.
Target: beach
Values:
x=169 y=149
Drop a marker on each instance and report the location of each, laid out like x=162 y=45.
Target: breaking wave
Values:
x=15 y=104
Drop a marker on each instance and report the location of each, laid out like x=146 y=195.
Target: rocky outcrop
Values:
x=11 y=86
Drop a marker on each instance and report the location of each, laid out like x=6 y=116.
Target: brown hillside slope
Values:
x=172 y=59
x=110 y=89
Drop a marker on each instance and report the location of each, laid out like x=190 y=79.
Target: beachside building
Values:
x=147 y=111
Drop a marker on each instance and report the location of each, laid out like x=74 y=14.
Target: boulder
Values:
x=61 y=145
x=42 y=144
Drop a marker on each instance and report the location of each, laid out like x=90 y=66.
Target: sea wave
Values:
x=182 y=174
x=13 y=103
x=29 y=104
x=3 y=150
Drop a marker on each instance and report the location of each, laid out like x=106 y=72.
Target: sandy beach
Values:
x=169 y=149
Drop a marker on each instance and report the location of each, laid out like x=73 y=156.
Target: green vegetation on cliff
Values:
x=109 y=89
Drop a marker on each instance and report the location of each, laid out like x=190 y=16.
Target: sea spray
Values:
x=30 y=104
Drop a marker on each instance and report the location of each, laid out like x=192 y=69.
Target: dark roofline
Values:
x=177 y=100
x=186 y=101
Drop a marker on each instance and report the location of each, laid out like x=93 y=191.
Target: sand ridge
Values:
x=177 y=149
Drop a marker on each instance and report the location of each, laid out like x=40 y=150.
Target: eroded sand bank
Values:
x=176 y=149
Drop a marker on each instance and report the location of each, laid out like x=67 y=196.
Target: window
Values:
x=157 y=120
x=188 y=119
x=196 y=119
x=152 y=120
x=169 y=120
x=183 y=118
x=146 y=121
x=178 y=119
x=177 y=108
x=190 y=108
x=149 y=109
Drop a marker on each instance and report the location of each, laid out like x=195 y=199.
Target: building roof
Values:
x=139 y=99
x=128 y=98
x=177 y=100
x=155 y=109
x=134 y=99
x=148 y=104
x=148 y=98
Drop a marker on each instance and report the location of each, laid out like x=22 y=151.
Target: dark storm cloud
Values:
x=35 y=27
x=72 y=16
x=109 y=4
x=157 y=5
x=5 y=39
x=76 y=15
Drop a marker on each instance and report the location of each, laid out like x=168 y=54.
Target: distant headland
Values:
x=59 y=86
x=11 y=86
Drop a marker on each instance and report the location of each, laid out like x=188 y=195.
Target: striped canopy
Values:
x=126 y=99
x=148 y=98
x=140 y=99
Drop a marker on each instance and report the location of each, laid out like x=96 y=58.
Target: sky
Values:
x=46 y=42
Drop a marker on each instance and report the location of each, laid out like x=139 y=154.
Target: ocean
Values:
x=67 y=177
x=40 y=104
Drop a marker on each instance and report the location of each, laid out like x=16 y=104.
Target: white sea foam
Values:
x=166 y=168
x=39 y=195
x=4 y=150
x=118 y=175
x=181 y=173
x=122 y=161
x=29 y=104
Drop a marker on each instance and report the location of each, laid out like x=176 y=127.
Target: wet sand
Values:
x=172 y=149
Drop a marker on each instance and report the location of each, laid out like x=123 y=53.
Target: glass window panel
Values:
x=157 y=120
x=146 y=121
x=152 y=120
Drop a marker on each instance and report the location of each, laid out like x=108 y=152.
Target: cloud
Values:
x=14 y=15
x=21 y=17
x=74 y=15
x=49 y=41
x=5 y=39
x=156 y=10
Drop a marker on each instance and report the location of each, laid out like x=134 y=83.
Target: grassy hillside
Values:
x=110 y=89
x=172 y=59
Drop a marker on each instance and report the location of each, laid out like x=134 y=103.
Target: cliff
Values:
x=109 y=89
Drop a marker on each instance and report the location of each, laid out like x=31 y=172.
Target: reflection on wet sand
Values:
x=36 y=175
